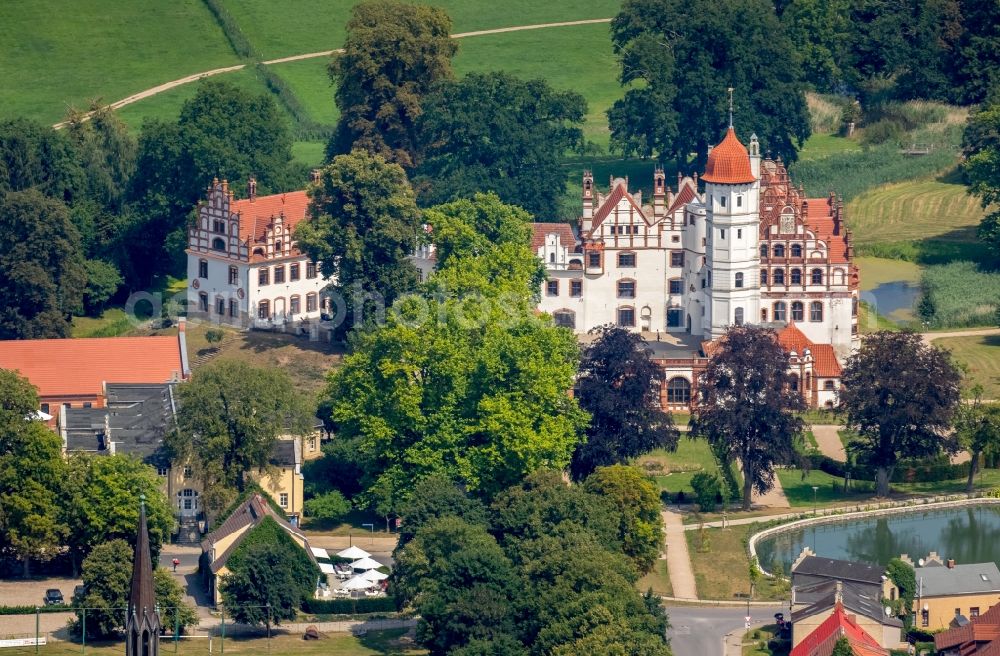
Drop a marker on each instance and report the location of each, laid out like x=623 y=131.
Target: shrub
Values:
x=884 y=131
x=214 y=335
x=329 y=507
x=681 y=498
x=707 y=489
x=349 y=606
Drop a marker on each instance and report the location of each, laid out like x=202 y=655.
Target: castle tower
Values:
x=659 y=193
x=142 y=623
x=732 y=191
x=588 y=201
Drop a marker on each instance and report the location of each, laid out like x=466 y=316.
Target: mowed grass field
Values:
x=914 y=210
x=980 y=355
x=58 y=54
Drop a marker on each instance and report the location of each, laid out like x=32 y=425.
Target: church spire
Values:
x=142 y=626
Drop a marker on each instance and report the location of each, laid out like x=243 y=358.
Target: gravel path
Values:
x=678 y=558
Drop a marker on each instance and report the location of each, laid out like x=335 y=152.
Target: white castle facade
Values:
x=751 y=248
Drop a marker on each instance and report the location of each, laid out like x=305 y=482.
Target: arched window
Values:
x=552 y=258
x=796 y=276
x=738 y=316
x=796 y=250
x=779 y=276
x=739 y=280
x=678 y=390
x=816 y=311
x=779 y=250
x=763 y=250
x=780 y=310
x=798 y=311
x=817 y=276
x=763 y=276
x=763 y=314
x=854 y=306
x=219 y=244
x=828 y=385
x=793 y=382
x=264 y=310
x=565 y=318
x=277 y=246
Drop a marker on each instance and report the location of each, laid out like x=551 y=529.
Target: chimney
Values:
x=252 y=188
x=588 y=200
x=659 y=192
x=314 y=176
x=951 y=563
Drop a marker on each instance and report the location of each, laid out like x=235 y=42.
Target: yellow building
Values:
x=947 y=592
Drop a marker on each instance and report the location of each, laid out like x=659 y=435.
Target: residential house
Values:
x=949 y=594
x=979 y=637
x=219 y=545
x=839 y=624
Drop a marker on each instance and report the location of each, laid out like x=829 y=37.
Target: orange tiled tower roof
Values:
x=729 y=162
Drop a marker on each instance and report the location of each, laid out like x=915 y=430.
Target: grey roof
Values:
x=284 y=453
x=249 y=513
x=960 y=579
x=136 y=420
x=841 y=570
x=856 y=598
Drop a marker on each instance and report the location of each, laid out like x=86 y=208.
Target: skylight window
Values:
x=984 y=577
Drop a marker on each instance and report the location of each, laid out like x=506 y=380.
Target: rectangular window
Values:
x=974 y=612
x=626 y=317
x=45 y=408
x=283 y=499
x=723 y=234
x=310 y=302
x=626 y=260
x=279 y=274
x=552 y=288
x=219 y=227
x=234 y=276
x=594 y=259
x=88 y=404
x=626 y=289
x=739 y=234
x=187 y=472
x=220 y=306
x=294 y=305
x=310 y=270
x=234 y=307
x=576 y=288
x=161 y=471
x=676 y=258
x=202 y=268
x=293 y=273
x=203 y=302
x=739 y=201
x=264 y=276
x=675 y=238
x=676 y=286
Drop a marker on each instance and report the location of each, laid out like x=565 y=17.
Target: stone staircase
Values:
x=207 y=354
x=187 y=532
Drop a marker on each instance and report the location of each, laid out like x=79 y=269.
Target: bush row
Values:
x=239 y=41
x=959 y=295
x=349 y=606
x=305 y=127
x=932 y=471
x=30 y=610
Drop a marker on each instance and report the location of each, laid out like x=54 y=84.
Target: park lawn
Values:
x=60 y=54
x=386 y=643
x=658 y=579
x=755 y=641
x=986 y=479
x=677 y=468
x=722 y=571
x=309 y=81
x=915 y=210
x=829 y=492
x=113 y=322
x=878 y=270
x=301 y=26
x=980 y=356
x=818 y=146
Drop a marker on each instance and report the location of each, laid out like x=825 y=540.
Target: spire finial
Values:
x=730 y=90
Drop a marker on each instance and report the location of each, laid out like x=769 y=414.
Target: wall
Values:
x=941 y=610
x=888 y=636
x=285 y=480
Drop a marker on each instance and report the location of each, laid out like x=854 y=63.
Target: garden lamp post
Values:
x=815 y=490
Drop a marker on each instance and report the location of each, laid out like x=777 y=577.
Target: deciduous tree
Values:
x=638 y=502
x=675 y=80
x=977 y=426
x=619 y=385
x=42 y=273
x=899 y=395
x=495 y=132
x=394 y=53
x=981 y=143
x=328 y=507
x=747 y=406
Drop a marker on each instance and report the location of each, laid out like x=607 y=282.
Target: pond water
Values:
x=970 y=534
x=893 y=298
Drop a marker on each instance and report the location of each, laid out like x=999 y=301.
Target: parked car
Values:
x=78 y=593
x=53 y=597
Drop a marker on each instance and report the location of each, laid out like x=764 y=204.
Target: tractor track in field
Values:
x=173 y=84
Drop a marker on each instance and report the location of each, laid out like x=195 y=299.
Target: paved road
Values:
x=678 y=559
x=698 y=631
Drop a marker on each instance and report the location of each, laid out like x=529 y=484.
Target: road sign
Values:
x=746 y=619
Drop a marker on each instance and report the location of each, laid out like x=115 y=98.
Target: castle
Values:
x=750 y=249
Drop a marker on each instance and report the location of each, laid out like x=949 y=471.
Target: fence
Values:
x=50 y=633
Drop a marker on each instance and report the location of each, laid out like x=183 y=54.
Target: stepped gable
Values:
x=540 y=230
x=729 y=162
x=823 y=639
x=257 y=215
x=611 y=201
x=825 y=364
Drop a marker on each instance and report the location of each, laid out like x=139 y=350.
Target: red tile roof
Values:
x=823 y=639
x=729 y=162
x=540 y=230
x=819 y=219
x=256 y=214
x=80 y=367
x=793 y=339
x=825 y=364
x=611 y=202
x=980 y=637
x=683 y=197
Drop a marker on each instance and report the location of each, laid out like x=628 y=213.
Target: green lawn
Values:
x=916 y=209
x=818 y=146
x=672 y=471
x=981 y=358
x=722 y=571
x=386 y=643
x=878 y=270
x=58 y=54
x=829 y=491
x=310 y=83
x=658 y=579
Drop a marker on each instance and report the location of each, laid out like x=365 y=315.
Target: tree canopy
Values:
x=495 y=132
x=393 y=55
x=747 y=406
x=977 y=427
x=672 y=79
x=899 y=395
x=981 y=143
x=619 y=385
x=638 y=502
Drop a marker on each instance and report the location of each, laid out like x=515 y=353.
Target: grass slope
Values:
x=980 y=355
x=58 y=54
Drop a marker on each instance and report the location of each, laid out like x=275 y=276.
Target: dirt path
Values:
x=678 y=558
x=972 y=332
x=828 y=440
x=173 y=84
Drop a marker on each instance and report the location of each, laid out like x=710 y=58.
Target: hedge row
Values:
x=241 y=45
x=932 y=471
x=305 y=127
x=30 y=610
x=349 y=606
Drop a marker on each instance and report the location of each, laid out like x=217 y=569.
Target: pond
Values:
x=893 y=300
x=969 y=534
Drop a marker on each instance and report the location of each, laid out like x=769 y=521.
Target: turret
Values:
x=588 y=201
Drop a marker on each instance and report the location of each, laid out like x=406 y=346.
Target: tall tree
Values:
x=619 y=385
x=747 y=406
x=42 y=274
x=979 y=51
x=231 y=414
x=364 y=225
x=33 y=155
x=31 y=474
x=106 y=152
x=394 y=53
x=935 y=30
x=899 y=395
x=495 y=132
x=981 y=145
x=638 y=502
x=819 y=30
x=977 y=426
x=675 y=80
